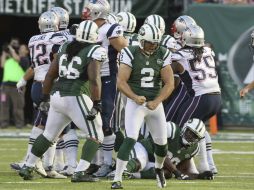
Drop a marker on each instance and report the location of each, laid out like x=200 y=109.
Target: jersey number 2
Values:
x=147 y=80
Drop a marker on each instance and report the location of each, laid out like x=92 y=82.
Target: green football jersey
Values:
x=145 y=79
x=176 y=151
x=73 y=74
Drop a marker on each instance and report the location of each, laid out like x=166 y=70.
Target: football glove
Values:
x=97 y=107
x=180 y=176
x=21 y=84
x=44 y=103
x=206 y=175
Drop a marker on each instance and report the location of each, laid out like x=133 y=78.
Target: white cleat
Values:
x=39 y=168
x=68 y=171
x=53 y=174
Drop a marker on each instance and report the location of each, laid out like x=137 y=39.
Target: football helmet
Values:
x=87 y=31
x=149 y=33
x=193 y=36
x=112 y=19
x=96 y=9
x=62 y=15
x=180 y=24
x=127 y=20
x=252 y=39
x=48 y=22
x=193 y=131
x=156 y=20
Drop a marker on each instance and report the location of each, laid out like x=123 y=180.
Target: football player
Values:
x=142 y=70
x=77 y=62
x=182 y=147
x=42 y=48
x=110 y=37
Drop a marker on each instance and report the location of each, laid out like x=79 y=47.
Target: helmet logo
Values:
x=142 y=32
x=120 y=18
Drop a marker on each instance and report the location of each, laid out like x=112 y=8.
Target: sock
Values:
x=108 y=146
x=201 y=157
x=209 y=151
x=59 y=156
x=48 y=157
x=89 y=150
x=160 y=152
x=125 y=149
x=71 y=147
x=35 y=132
x=118 y=141
x=148 y=174
x=98 y=158
x=120 y=167
x=40 y=146
x=137 y=175
x=82 y=165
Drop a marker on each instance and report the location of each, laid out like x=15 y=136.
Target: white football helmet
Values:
x=193 y=36
x=180 y=24
x=63 y=16
x=48 y=22
x=87 y=31
x=149 y=33
x=112 y=19
x=193 y=131
x=96 y=9
x=127 y=20
x=156 y=20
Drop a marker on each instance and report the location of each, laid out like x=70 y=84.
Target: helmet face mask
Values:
x=87 y=31
x=62 y=15
x=48 y=22
x=93 y=11
x=192 y=132
x=193 y=36
x=180 y=24
x=149 y=37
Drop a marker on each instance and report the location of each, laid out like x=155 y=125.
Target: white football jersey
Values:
x=67 y=34
x=40 y=47
x=169 y=42
x=203 y=75
x=107 y=31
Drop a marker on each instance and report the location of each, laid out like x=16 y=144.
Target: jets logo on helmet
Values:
x=127 y=20
x=48 y=22
x=87 y=31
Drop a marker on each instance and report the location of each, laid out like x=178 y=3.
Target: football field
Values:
x=234 y=159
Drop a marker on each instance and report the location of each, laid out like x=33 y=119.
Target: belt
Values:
x=214 y=93
x=40 y=81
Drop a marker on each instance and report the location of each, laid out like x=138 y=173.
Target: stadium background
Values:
x=227 y=27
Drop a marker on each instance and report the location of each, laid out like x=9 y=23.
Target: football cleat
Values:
x=103 y=171
x=39 y=169
x=53 y=174
x=161 y=181
x=92 y=169
x=17 y=165
x=68 y=171
x=82 y=176
x=26 y=172
x=117 y=185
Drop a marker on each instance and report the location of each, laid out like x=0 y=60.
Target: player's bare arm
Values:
x=246 y=89
x=94 y=77
x=123 y=76
x=118 y=43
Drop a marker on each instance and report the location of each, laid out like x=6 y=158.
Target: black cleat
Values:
x=161 y=181
x=83 y=177
x=26 y=172
x=116 y=185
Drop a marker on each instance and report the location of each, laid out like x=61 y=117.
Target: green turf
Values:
x=235 y=162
